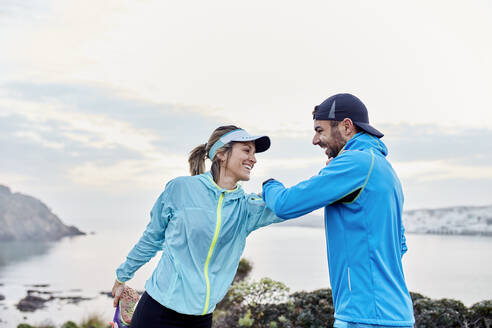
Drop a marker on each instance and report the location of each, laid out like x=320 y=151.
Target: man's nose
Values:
x=253 y=158
x=315 y=140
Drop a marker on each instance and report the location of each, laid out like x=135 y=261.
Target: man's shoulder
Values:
x=355 y=157
x=349 y=160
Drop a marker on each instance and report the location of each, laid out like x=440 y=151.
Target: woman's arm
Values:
x=258 y=214
x=151 y=240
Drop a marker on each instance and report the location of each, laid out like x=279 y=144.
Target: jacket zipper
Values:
x=211 y=250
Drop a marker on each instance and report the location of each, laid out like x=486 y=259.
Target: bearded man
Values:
x=363 y=200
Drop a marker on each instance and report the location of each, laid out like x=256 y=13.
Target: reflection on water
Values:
x=17 y=251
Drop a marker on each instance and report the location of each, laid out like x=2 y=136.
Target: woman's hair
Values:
x=200 y=153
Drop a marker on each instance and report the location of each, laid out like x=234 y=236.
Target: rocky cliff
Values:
x=23 y=217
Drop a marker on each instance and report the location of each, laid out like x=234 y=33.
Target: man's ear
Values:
x=348 y=127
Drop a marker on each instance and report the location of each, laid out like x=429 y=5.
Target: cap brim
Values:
x=369 y=129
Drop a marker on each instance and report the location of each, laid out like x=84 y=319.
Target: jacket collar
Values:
x=208 y=180
x=363 y=141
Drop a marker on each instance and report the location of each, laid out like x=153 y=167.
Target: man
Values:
x=363 y=201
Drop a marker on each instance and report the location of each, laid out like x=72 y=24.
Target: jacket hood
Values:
x=207 y=179
x=363 y=141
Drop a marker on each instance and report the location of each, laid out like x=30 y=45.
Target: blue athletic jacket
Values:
x=365 y=239
x=201 y=230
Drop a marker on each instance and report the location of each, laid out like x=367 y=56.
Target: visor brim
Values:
x=262 y=143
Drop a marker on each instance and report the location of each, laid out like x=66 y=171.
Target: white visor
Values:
x=262 y=143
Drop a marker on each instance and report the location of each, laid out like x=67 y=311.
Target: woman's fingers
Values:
x=115 y=301
x=117 y=290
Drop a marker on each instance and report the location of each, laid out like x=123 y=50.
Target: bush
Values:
x=243 y=270
x=480 y=314
x=46 y=324
x=267 y=304
x=94 y=321
x=69 y=324
x=313 y=309
x=440 y=313
x=256 y=304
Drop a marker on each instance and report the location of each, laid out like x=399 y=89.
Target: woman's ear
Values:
x=221 y=156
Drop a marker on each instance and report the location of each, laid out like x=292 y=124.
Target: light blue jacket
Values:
x=363 y=202
x=201 y=230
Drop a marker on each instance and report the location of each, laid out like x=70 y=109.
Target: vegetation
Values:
x=93 y=321
x=268 y=304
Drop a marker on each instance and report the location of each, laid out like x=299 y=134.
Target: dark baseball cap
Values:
x=345 y=105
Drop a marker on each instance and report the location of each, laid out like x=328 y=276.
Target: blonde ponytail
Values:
x=197 y=159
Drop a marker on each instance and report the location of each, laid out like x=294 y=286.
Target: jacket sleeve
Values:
x=258 y=214
x=344 y=175
x=152 y=239
x=404 y=247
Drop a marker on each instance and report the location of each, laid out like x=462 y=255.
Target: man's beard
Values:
x=333 y=152
x=337 y=144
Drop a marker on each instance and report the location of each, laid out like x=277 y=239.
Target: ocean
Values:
x=457 y=267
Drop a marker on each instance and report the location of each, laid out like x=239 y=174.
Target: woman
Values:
x=200 y=222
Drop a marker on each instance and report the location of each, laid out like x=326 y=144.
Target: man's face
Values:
x=328 y=137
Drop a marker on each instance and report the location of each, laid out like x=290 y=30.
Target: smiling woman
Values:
x=201 y=223
x=228 y=142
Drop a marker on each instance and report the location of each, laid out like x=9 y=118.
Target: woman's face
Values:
x=241 y=161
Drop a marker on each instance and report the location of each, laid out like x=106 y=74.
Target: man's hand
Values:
x=117 y=290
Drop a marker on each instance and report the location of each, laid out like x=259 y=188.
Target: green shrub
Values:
x=440 y=313
x=313 y=309
x=252 y=304
x=94 y=321
x=69 y=324
x=243 y=270
x=480 y=314
x=246 y=320
x=267 y=304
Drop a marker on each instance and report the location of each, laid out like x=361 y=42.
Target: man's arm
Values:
x=345 y=175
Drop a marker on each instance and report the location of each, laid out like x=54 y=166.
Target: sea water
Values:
x=457 y=267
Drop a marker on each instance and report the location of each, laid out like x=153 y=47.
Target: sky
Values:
x=101 y=101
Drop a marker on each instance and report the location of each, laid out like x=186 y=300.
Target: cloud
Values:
x=87 y=137
x=97 y=137
x=441 y=170
x=126 y=175
x=453 y=144
x=266 y=74
x=446 y=192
